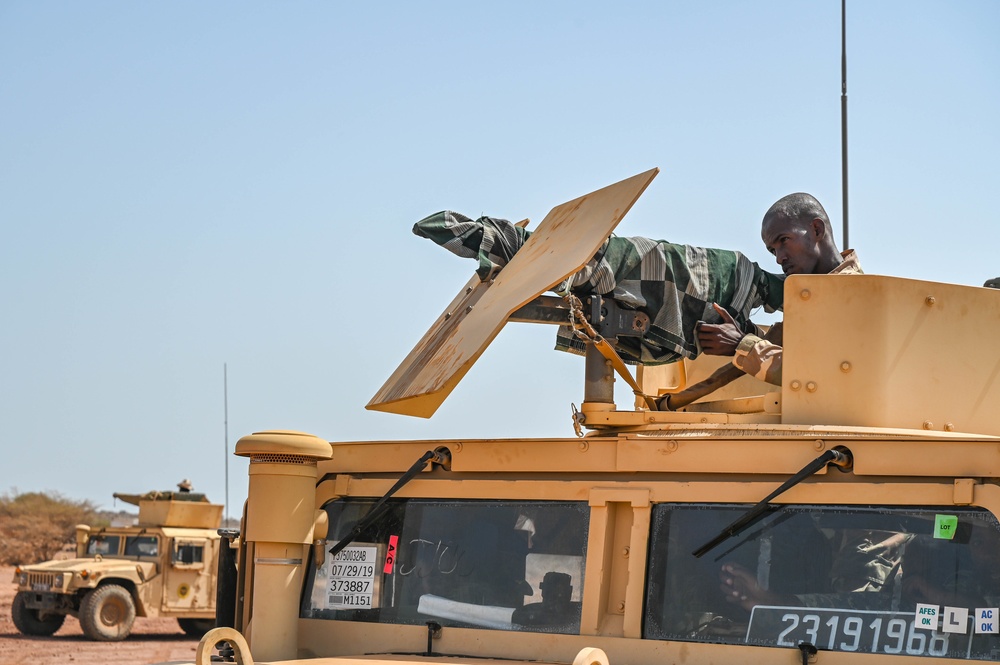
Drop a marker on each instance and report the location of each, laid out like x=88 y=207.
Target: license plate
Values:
x=41 y=586
x=864 y=631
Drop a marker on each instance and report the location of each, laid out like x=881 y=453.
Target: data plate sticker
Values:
x=864 y=631
x=352 y=583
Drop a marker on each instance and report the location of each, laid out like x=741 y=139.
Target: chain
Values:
x=578 y=420
x=578 y=320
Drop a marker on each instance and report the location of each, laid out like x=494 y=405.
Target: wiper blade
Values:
x=840 y=456
x=438 y=456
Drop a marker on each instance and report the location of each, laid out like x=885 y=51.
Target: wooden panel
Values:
x=563 y=243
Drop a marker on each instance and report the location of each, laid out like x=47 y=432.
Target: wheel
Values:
x=107 y=613
x=29 y=622
x=196 y=627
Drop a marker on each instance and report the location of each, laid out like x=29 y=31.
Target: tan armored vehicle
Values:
x=163 y=567
x=847 y=516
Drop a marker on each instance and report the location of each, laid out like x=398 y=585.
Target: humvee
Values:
x=847 y=516
x=165 y=566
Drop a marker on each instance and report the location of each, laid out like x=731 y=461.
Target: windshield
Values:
x=495 y=564
x=141 y=546
x=918 y=582
x=103 y=544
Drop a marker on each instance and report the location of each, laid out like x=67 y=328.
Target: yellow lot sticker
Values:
x=183 y=590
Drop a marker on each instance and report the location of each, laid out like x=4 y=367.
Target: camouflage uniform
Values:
x=674 y=284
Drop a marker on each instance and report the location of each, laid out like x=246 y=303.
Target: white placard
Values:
x=926 y=617
x=955 y=620
x=987 y=620
x=351 y=578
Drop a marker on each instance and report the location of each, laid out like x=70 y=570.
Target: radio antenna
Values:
x=843 y=114
x=225 y=425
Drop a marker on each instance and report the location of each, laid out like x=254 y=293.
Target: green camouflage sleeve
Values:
x=493 y=242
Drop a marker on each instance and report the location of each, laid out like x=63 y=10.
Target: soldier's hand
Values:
x=719 y=339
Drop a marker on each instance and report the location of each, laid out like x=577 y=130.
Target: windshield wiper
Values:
x=840 y=456
x=440 y=456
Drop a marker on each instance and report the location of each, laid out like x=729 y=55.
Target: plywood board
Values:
x=564 y=242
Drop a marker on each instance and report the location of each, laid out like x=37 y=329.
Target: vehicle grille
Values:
x=41 y=578
x=280 y=458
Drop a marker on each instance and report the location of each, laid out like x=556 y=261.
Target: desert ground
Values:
x=151 y=641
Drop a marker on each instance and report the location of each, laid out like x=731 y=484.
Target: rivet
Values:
x=845 y=366
x=584 y=446
x=949 y=427
x=704 y=420
x=458 y=447
x=930 y=300
x=625 y=551
x=820 y=444
x=621 y=606
x=805 y=294
x=928 y=424
x=671 y=445
x=811 y=386
x=795 y=385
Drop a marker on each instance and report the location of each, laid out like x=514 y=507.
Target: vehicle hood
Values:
x=93 y=564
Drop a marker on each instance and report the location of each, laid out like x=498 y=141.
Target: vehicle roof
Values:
x=171 y=531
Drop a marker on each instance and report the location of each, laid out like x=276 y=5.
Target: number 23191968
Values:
x=850 y=630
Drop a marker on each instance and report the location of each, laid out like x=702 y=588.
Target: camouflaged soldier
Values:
x=675 y=285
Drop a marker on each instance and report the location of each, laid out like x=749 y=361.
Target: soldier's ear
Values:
x=818 y=227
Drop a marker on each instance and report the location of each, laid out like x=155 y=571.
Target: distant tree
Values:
x=34 y=526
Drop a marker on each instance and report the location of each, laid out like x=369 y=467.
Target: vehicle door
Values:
x=188 y=585
x=144 y=549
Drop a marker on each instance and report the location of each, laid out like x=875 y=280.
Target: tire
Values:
x=107 y=613
x=196 y=627
x=29 y=622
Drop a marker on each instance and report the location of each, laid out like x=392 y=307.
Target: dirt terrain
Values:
x=151 y=641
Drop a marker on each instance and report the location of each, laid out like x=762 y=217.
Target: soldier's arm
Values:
x=761 y=357
x=721 y=377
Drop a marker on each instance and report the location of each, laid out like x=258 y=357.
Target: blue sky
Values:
x=189 y=184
